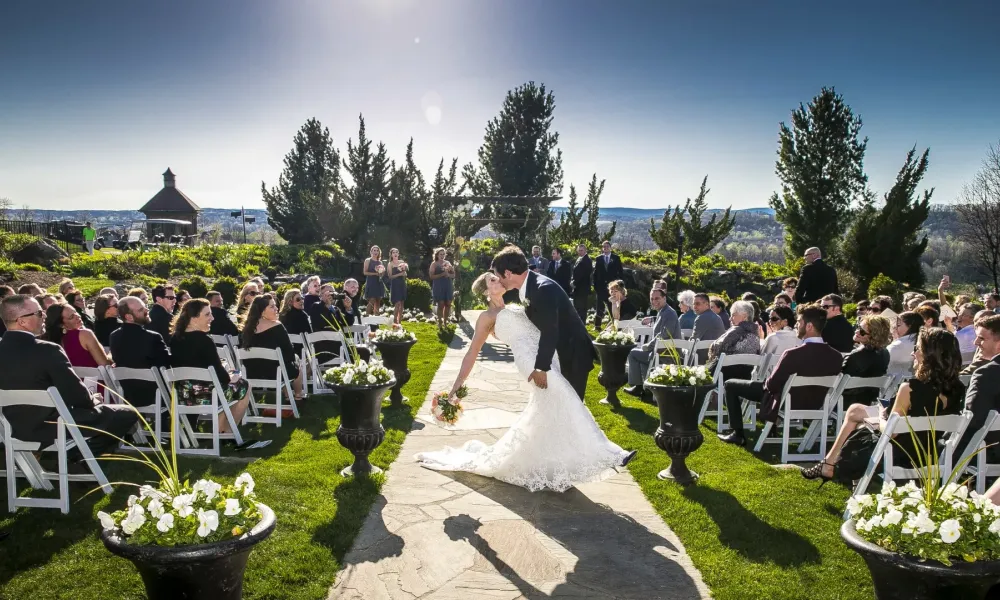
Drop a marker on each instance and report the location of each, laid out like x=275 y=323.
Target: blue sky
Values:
x=98 y=99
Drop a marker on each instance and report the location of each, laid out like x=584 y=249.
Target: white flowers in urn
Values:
x=394 y=334
x=680 y=375
x=371 y=372
x=616 y=337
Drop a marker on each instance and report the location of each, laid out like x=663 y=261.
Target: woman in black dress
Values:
x=262 y=329
x=869 y=359
x=293 y=315
x=105 y=318
x=397 y=283
x=622 y=308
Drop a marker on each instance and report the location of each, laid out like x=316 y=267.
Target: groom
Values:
x=550 y=310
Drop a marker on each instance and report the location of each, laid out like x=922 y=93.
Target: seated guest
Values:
x=63 y=326
x=222 y=324
x=838 y=331
x=162 y=312
x=781 y=331
x=245 y=297
x=933 y=390
x=292 y=315
x=707 y=324
x=109 y=291
x=912 y=300
x=35 y=364
x=139 y=293
x=622 y=308
x=685 y=302
x=262 y=329
x=47 y=300
x=814 y=358
x=348 y=303
x=718 y=306
x=75 y=299
x=759 y=311
x=650 y=315
x=665 y=327
x=984 y=389
x=862 y=307
x=907 y=327
x=190 y=346
x=30 y=289
x=310 y=292
x=135 y=347
x=978 y=359
x=182 y=297
x=741 y=338
x=788 y=286
x=66 y=286
x=105 y=318
x=324 y=316
x=965 y=329
x=930 y=316
x=869 y=359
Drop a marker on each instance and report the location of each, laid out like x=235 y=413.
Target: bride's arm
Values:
x=484 y=325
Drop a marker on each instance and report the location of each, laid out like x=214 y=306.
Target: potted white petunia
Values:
x=613 y=346
x=678 y=390
x=394 y=344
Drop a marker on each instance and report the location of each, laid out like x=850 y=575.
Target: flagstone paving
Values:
x=436 y=535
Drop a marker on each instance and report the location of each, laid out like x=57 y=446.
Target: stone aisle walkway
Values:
x=435 y=535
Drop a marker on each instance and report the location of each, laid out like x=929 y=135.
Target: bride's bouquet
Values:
x=447 y=409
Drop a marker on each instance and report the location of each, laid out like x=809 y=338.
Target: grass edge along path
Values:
x=752 y=530
x=53 y=556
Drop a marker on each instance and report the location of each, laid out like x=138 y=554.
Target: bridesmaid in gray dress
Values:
x=442 y=274
x=397 y=283
x=374 y=289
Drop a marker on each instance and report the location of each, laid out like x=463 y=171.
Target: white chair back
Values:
x=699 y=347
x=749 y=409
x=687 y=333
x=375 y=320
x=219 y=406
x=280 y=385
x=320 y=363
x=788 y=413
x=150 y=413
x=643 y=335
x=683 y=348
x=980 y=465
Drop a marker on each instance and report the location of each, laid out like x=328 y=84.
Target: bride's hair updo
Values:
x=479 y=285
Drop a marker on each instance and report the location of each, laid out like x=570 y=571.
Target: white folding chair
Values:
x=748 y=409
x=318 y=364
x=965 y=379
x=700 y=346
x=642 y=334
x=97 y=374
x=787 y=414
x=683 y=348
x=152 y=413
x=360 y=333
x=979 y=466
x=376 y=320
x=280 y=385
x=836 y=407
x=954 y=425
x=687 y=333
x=19 y=460
x=629 y=324
x=889 y=394
x=218 y=406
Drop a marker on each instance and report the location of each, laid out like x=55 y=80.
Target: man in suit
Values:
x=814 y=358
x=222 y=324
x=560 y=271
x=817 y=279
x=984 y=389
x=838 y=331
x=607 y=268
x=582 y=271
x=135 y=347
x=537 y=262
x=162 y=312
x=665 y=327
x=707 y=325
x=33 y=364
x=549 y=308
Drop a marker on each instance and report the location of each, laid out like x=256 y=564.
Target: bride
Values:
x=555 y=443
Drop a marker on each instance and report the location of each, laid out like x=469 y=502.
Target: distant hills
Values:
x=624 y=213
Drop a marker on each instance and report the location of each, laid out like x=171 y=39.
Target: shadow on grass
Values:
x=354 y=498
x=746 y=534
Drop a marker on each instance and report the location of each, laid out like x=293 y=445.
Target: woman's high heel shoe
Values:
x=816 y=472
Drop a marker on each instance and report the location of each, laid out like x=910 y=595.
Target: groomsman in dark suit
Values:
x=607 y=268
x=560 y=270
x=582 y=271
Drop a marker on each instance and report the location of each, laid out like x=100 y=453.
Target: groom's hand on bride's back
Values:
x=539 y=378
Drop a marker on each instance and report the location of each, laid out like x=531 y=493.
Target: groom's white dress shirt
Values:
x=523 y=291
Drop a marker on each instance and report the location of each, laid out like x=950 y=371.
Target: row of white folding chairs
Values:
x=979 y=464
x=951 y=426
x=761 y=364
x=19 y=457
x=688 y=350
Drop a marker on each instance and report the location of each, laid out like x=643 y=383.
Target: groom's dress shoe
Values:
x=635 y=390
x=734 y=438
x=628 y=458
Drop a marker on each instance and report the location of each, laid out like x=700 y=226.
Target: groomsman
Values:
x=559 y=271
x=607 y=268
x=582 y=271
x=537 y=262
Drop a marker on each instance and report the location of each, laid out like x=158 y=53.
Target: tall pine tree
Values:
x=304 y=202
x=367 y=196
x=821 y=168
x=572 y=228
x=519 y=157
x=885 y=239
x=700 y=236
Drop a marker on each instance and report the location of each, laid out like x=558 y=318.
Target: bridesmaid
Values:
x=374 y=290
x=441 y=275
x=397 y=283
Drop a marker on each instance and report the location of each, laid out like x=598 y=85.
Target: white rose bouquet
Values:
x=372 y=372
x=680 y=375
x=195 y=514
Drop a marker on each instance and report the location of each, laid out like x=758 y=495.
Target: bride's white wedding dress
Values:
x=554 y=444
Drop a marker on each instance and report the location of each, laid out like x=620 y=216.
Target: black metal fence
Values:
x=35 y=228
x=60 y=232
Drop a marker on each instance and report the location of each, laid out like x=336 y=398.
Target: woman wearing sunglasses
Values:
x=869 y=359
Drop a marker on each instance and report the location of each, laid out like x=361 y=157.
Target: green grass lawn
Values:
x=50 y=555
x=752 y=530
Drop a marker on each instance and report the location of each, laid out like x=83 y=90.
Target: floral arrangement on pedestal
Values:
x=680 y=375
x=616 y=337
x=194 y=514
x=360 y=372
x=394 y=334
x=446 y=407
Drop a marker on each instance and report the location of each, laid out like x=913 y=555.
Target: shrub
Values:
x=850 y=311
x=639 y=300
x=283 y=289
x=228 y=287
x=29 y=267
x=418 y=295
x=195 y=286
x=883 y=285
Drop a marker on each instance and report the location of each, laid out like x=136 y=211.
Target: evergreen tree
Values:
x=820 y=165
x=519 y=157
x=885 y=239
x=572 y=228
x=305 y=199
x=408 y=196
x=700 y=236
x=367 y=197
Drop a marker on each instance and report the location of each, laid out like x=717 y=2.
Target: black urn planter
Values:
x=396 y=356
x=198 y=572
x=613 y=373
x=900 y=577
x=678 y=434
x=360 y=429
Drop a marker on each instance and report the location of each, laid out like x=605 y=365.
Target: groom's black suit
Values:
x=562 y=331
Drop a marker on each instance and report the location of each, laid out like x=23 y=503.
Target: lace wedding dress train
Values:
x=555 y=443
